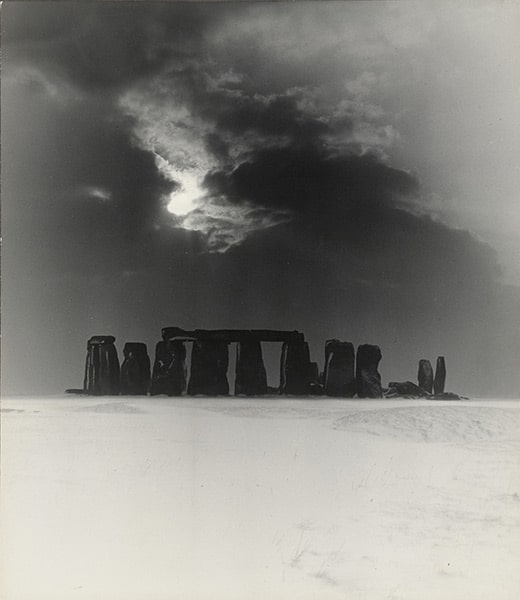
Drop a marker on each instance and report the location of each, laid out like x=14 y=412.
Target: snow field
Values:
x=195 y=499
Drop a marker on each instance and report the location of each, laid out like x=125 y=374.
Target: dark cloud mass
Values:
x=305 y=179
x=214 y=165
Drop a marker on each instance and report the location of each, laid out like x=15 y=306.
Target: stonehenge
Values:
x=205 y=354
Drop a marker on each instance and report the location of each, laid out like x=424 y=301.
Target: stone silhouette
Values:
x=439 y=380
x=251 y=376
x=314 y=372
x=295 y=369
x=209 y=364
x=449 y=396
x=405 y=389
x=425 y=375
x=339 y=377
x=101 y=367
x=368 y=379
x=135 y=370
x=315 y=385
x=169 y=369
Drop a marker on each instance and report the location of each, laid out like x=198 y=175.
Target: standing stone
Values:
x=295 y=368
x=314 y=373
x=101 y=367
x=209 y=364
x=135 y=370
x=251 y=376
x=315 y=385
x=425 y=375
x=368 y=379
x=169 y=369
x=339 y=369
x=440 y=376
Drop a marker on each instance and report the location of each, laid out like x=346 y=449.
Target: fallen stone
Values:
x=448 y=396
x=251 y=376
x=368 y=378
x=439 y=380
x=135 y=370
x=339 y=379
x=425 y=375
x=169 y=369
x=209 y=364
x=405 y=389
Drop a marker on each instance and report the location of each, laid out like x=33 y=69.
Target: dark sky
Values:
x=346 y=169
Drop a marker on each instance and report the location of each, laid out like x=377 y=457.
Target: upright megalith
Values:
x=135 y=370
x=368 y=379
x=425 y=375
x=169 y=369
x=209 y=364
x=295 y=369
x=339 y=377
x=101 y=367
x=439 y=380
x=251 y=376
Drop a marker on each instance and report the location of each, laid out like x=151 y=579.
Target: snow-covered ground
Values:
x=245 y=499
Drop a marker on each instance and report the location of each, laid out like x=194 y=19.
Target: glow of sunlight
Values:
x=184 y=200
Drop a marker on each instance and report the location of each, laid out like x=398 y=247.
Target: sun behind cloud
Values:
x=184 y=199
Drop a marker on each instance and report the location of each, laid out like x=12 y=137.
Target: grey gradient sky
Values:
x=347 y=169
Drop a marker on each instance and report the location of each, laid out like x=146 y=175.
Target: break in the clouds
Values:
x=208 y=127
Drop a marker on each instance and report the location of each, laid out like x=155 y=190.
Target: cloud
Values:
x=95 y=193
x=102 y=48
x=309 y=179
x=175 y=80
x=216 y=140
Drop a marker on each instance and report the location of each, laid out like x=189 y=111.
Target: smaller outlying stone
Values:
x=425 y=375
x=439 y=380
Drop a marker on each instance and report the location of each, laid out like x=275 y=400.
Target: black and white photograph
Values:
x=260 y=300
